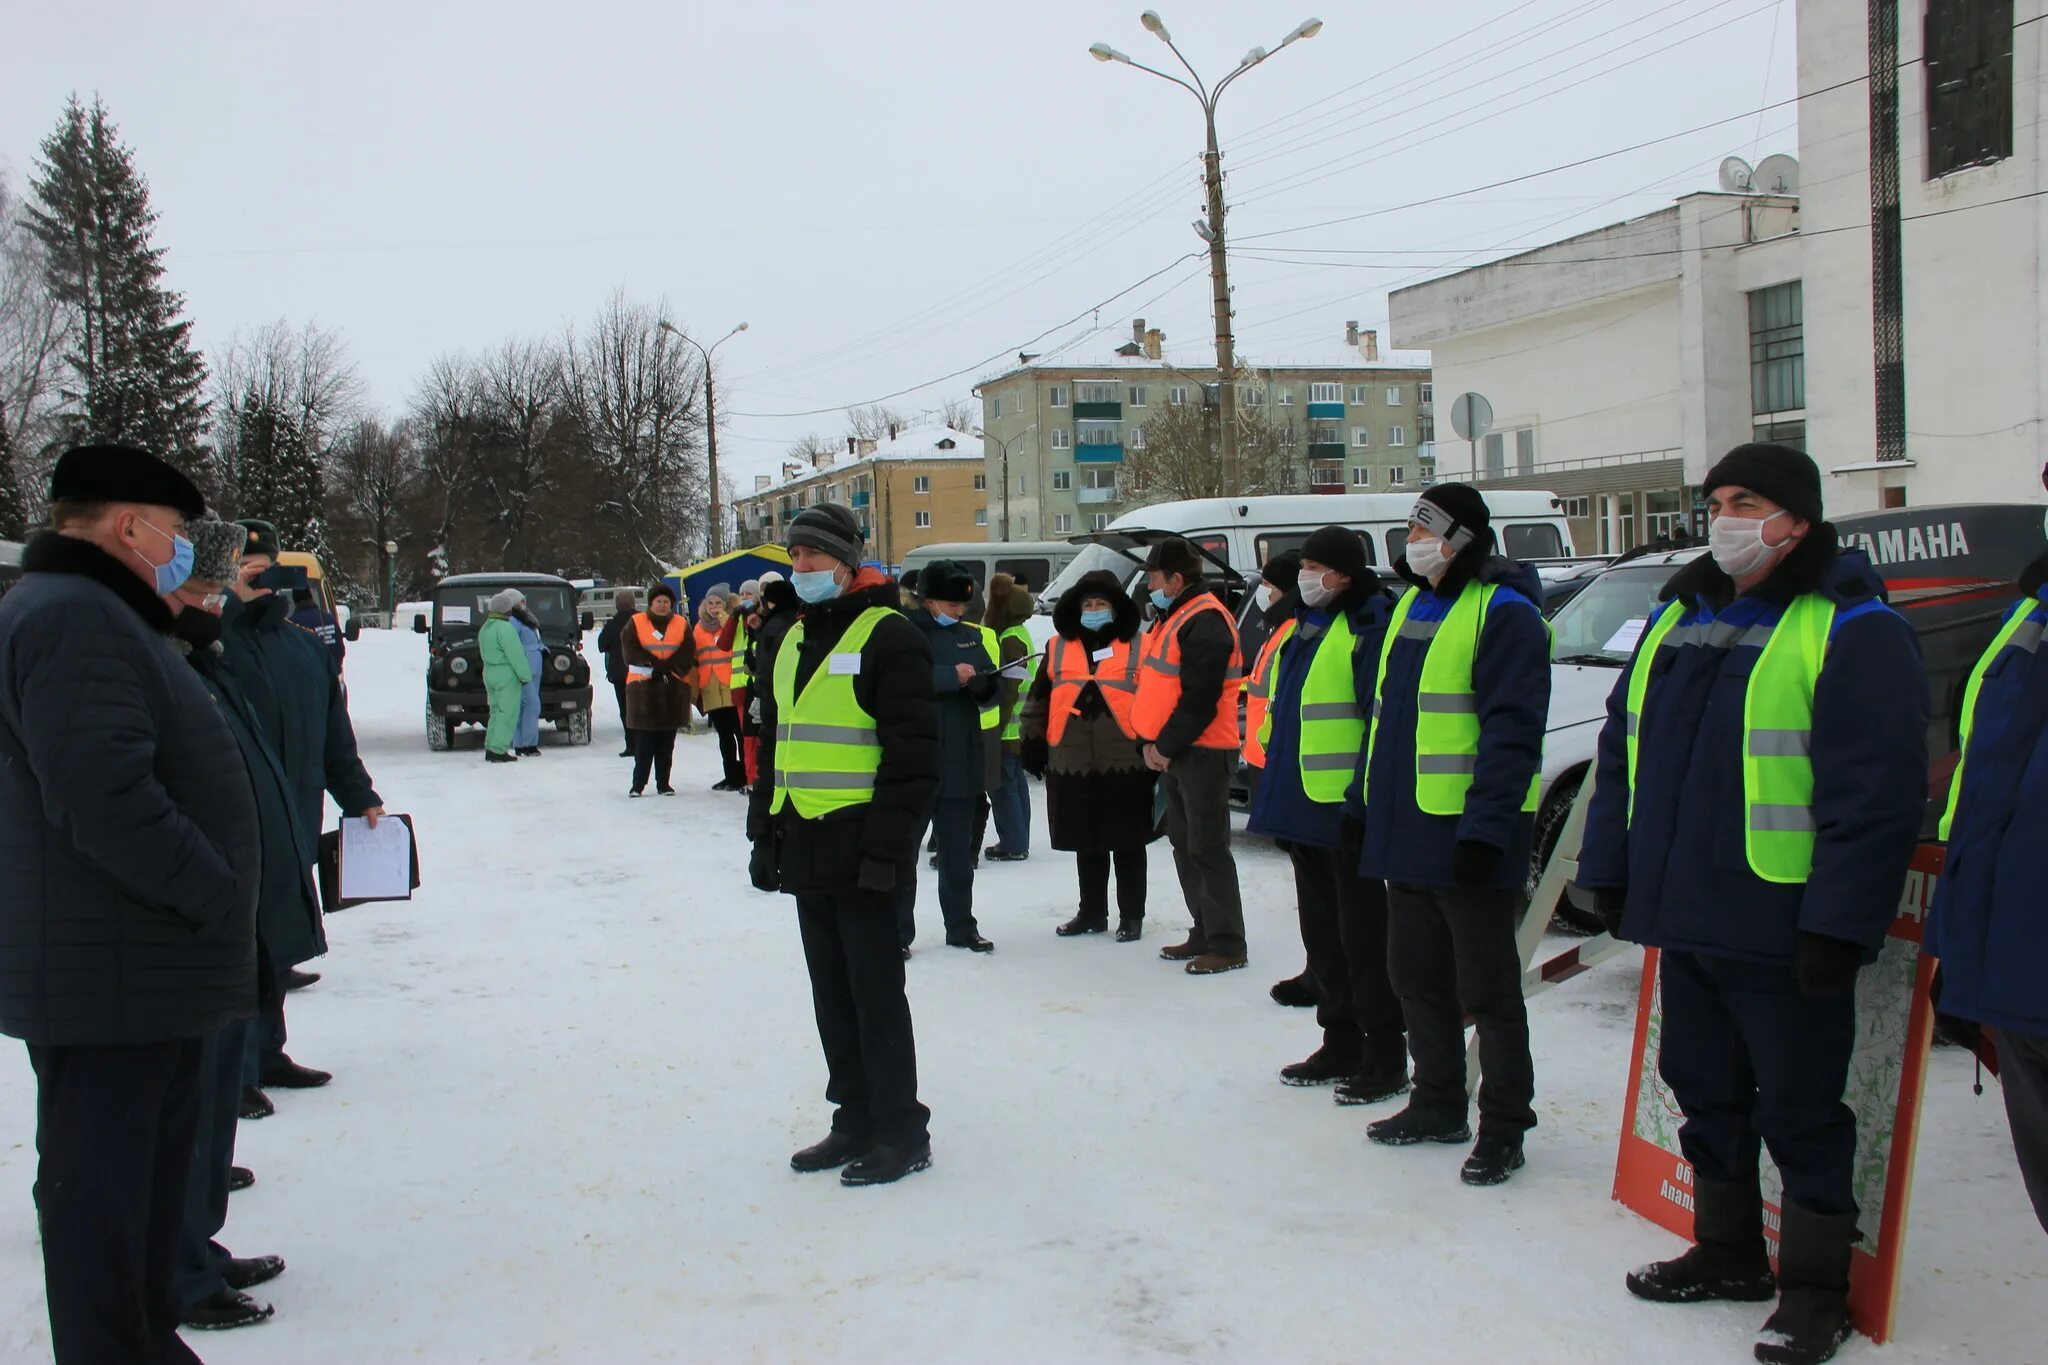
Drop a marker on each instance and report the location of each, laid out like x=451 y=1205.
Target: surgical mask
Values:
x=1161 y=600
x=815 y=585
x=1268 y=596
x=1738 y=545
x=746 y=604
x=1310 y=585
x=170 y=577
x=946 y=620
x=1097 y=620
x=1426 y=558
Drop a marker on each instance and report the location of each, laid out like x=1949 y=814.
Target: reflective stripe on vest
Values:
x=2022 y=633
x=1071 y=668
x=657 y=645
x=714 y=665
x=1446 y=707
x=1258 y=695
x=826 y=749
x=1014 y=727
x=1159 y=677
x=1332 y=722
x=1777 y=724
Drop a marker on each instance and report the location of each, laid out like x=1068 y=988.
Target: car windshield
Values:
x=1093 y=556
x=1606 y=619
x=458 y=612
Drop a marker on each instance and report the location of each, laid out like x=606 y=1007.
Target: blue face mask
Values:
x=945 y=620
x=815 y=585
x=1097 y=620
x=1161 y=600
x=171 y=577
x=746 y=604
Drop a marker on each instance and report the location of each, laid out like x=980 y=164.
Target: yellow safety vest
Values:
x=826 y=750
x=1777 y=725
x=992 y=710
x=1014 y=727
x=740 y=676
x=2022 y=631
x=1446 y=707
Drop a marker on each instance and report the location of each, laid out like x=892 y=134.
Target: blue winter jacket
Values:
x=1280 y=808
x=1990 y=921
x=1511 y=681
x=530 y=641
x=1682 y=857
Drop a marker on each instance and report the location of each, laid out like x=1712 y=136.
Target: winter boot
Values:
x=286 y=1074
x=1728 y=1260
x=1183 y=952
x=1413 y=1125
x=1209 y=964
x=219 y=1312
x=1003 y=855
x=1812 y=1320
x=255 y=1104
x=296 y=980
x=1493 y=1160
x=246 y=1272
x=1382 y=1076
x=240 y=1178
x=1084 y=923
x=1321 y=1067
x=972 y=942
x=838 y=1148
x=1298 y=992
x=886 y=1163
x=1129 y=930
x=493 y=756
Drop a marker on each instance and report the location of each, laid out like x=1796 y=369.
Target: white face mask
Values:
x=1310 y=584
x=1738 y=545
x=1267 y=595
x=1426 y=558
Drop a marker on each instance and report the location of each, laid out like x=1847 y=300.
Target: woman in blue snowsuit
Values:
x=526 y=739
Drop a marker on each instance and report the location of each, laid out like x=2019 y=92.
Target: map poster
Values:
x=1894 y=1024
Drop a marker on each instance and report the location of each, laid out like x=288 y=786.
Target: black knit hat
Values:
x=1337 y=547
x=1467 y=510
x=830 y=528
x=661 y=590
x=1174 y=555
x=1282 y=569
x=945 y=580
x=113 y=473
x=1784 y=475
x=262 y=539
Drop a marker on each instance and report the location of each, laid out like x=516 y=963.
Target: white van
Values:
x=1239 y=534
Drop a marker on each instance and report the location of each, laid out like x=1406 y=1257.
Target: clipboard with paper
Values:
x=359 y=863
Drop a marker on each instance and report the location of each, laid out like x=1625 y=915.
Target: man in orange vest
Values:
x=1187 y=716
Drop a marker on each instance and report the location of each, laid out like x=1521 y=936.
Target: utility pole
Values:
x=717 y=539
x=1004 y=447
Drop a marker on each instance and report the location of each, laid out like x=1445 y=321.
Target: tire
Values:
x=1550 y=819
x=440 y=733
x=579 y=728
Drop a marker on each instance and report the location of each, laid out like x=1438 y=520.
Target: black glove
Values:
x=1474 y=863
x=1827 y=966
x=1032 y=758
x=876 y=875
x=1608 y=903
x=761 y=868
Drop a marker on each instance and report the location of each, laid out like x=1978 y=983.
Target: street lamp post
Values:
x=391 y=580
x=1211 y=228
x=710 y=427
x=1004 y=446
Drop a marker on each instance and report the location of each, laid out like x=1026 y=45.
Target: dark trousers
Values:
x=956 y=836
x=1451 y=952
x=726 y=722
x=1012 y=805
x=1344 y=929
x=1093 y=871
x=1197 y=789
x=263 y=1041
x=654 y=749
x=1754 y=1061
x=114 y=1130
x=2023 y=1075
x=619 y=691
x=856 y=966
x=200 y=1258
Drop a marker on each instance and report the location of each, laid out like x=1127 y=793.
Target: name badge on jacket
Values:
x=843 y=665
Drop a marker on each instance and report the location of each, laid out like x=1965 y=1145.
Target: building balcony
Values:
x=1325 y=412
x=1092 y=496
x=860 y=499
x=1098 y=453
x=1326 y=450
x=1098 y=412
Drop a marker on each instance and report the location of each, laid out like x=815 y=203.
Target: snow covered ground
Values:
x=569 y=1076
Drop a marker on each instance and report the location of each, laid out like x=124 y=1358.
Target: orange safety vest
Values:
x=1159 y=677
x=661 y=645
x=713 y=664
x=1068 y=665
x=1258 y=693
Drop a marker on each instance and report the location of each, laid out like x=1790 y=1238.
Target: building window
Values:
x=1023 y=483
x=1777 y=349
x=1059 y=438
x=1285 y=396
x=1252 y=396
x=1062 y=480
x=1791 y=434
x=1099 y=479
x=1496 y=445
x=1326 y=393
x=1062 y=523
x=1098 y=521
x=1361 y=437
x=1393 y=396
x=981 y=516
x=1134 y=437
x=924 y=521
x=1361 y=477
x=1057 y=396
x=1322 y=477
x=920 y=483
x=1321 y=435
x=1578 y=508
x=981 y=483
x=1177 y=395
x=1137 y=395
x=1968 y=47
x=995 y=408
x=1023 y=527
x=1397 y=436
x=1397 y=475
x=1360 y=395
x=1425 y=394
x=1095 y=393
x=1525 y=450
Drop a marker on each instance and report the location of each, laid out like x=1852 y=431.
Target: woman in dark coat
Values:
x=1098 y=791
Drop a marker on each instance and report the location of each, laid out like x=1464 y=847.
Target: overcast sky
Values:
x=887 y=192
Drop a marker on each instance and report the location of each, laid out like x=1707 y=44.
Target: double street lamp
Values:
x=710 y=427
x=1211 y=228
x=1004 y=446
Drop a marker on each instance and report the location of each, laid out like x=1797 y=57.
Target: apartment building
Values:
x=918 y=487
x=1056 y=429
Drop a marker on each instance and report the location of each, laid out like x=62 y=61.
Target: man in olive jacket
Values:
x=129 y=851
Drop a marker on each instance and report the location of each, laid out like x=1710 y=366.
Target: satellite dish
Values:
x=1777 y=174
x=1736 y=176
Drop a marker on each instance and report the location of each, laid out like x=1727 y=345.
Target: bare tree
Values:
x=522 y=395
x=873 y=422
x=959 y=414
x=33 y=340
x=374 y=479
x=451 y=425
x=808 y=450
x=304 y=374
x=1182 y=452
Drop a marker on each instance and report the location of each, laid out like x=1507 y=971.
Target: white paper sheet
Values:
x=1624 y=640
x=455 y=616
x=376 y=864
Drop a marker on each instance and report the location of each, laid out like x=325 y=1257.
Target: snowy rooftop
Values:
x=932 y=442
x=1337 y=355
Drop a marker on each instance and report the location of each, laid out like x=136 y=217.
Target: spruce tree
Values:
x=13 y=508
x=278 y=477
x=139 y=379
